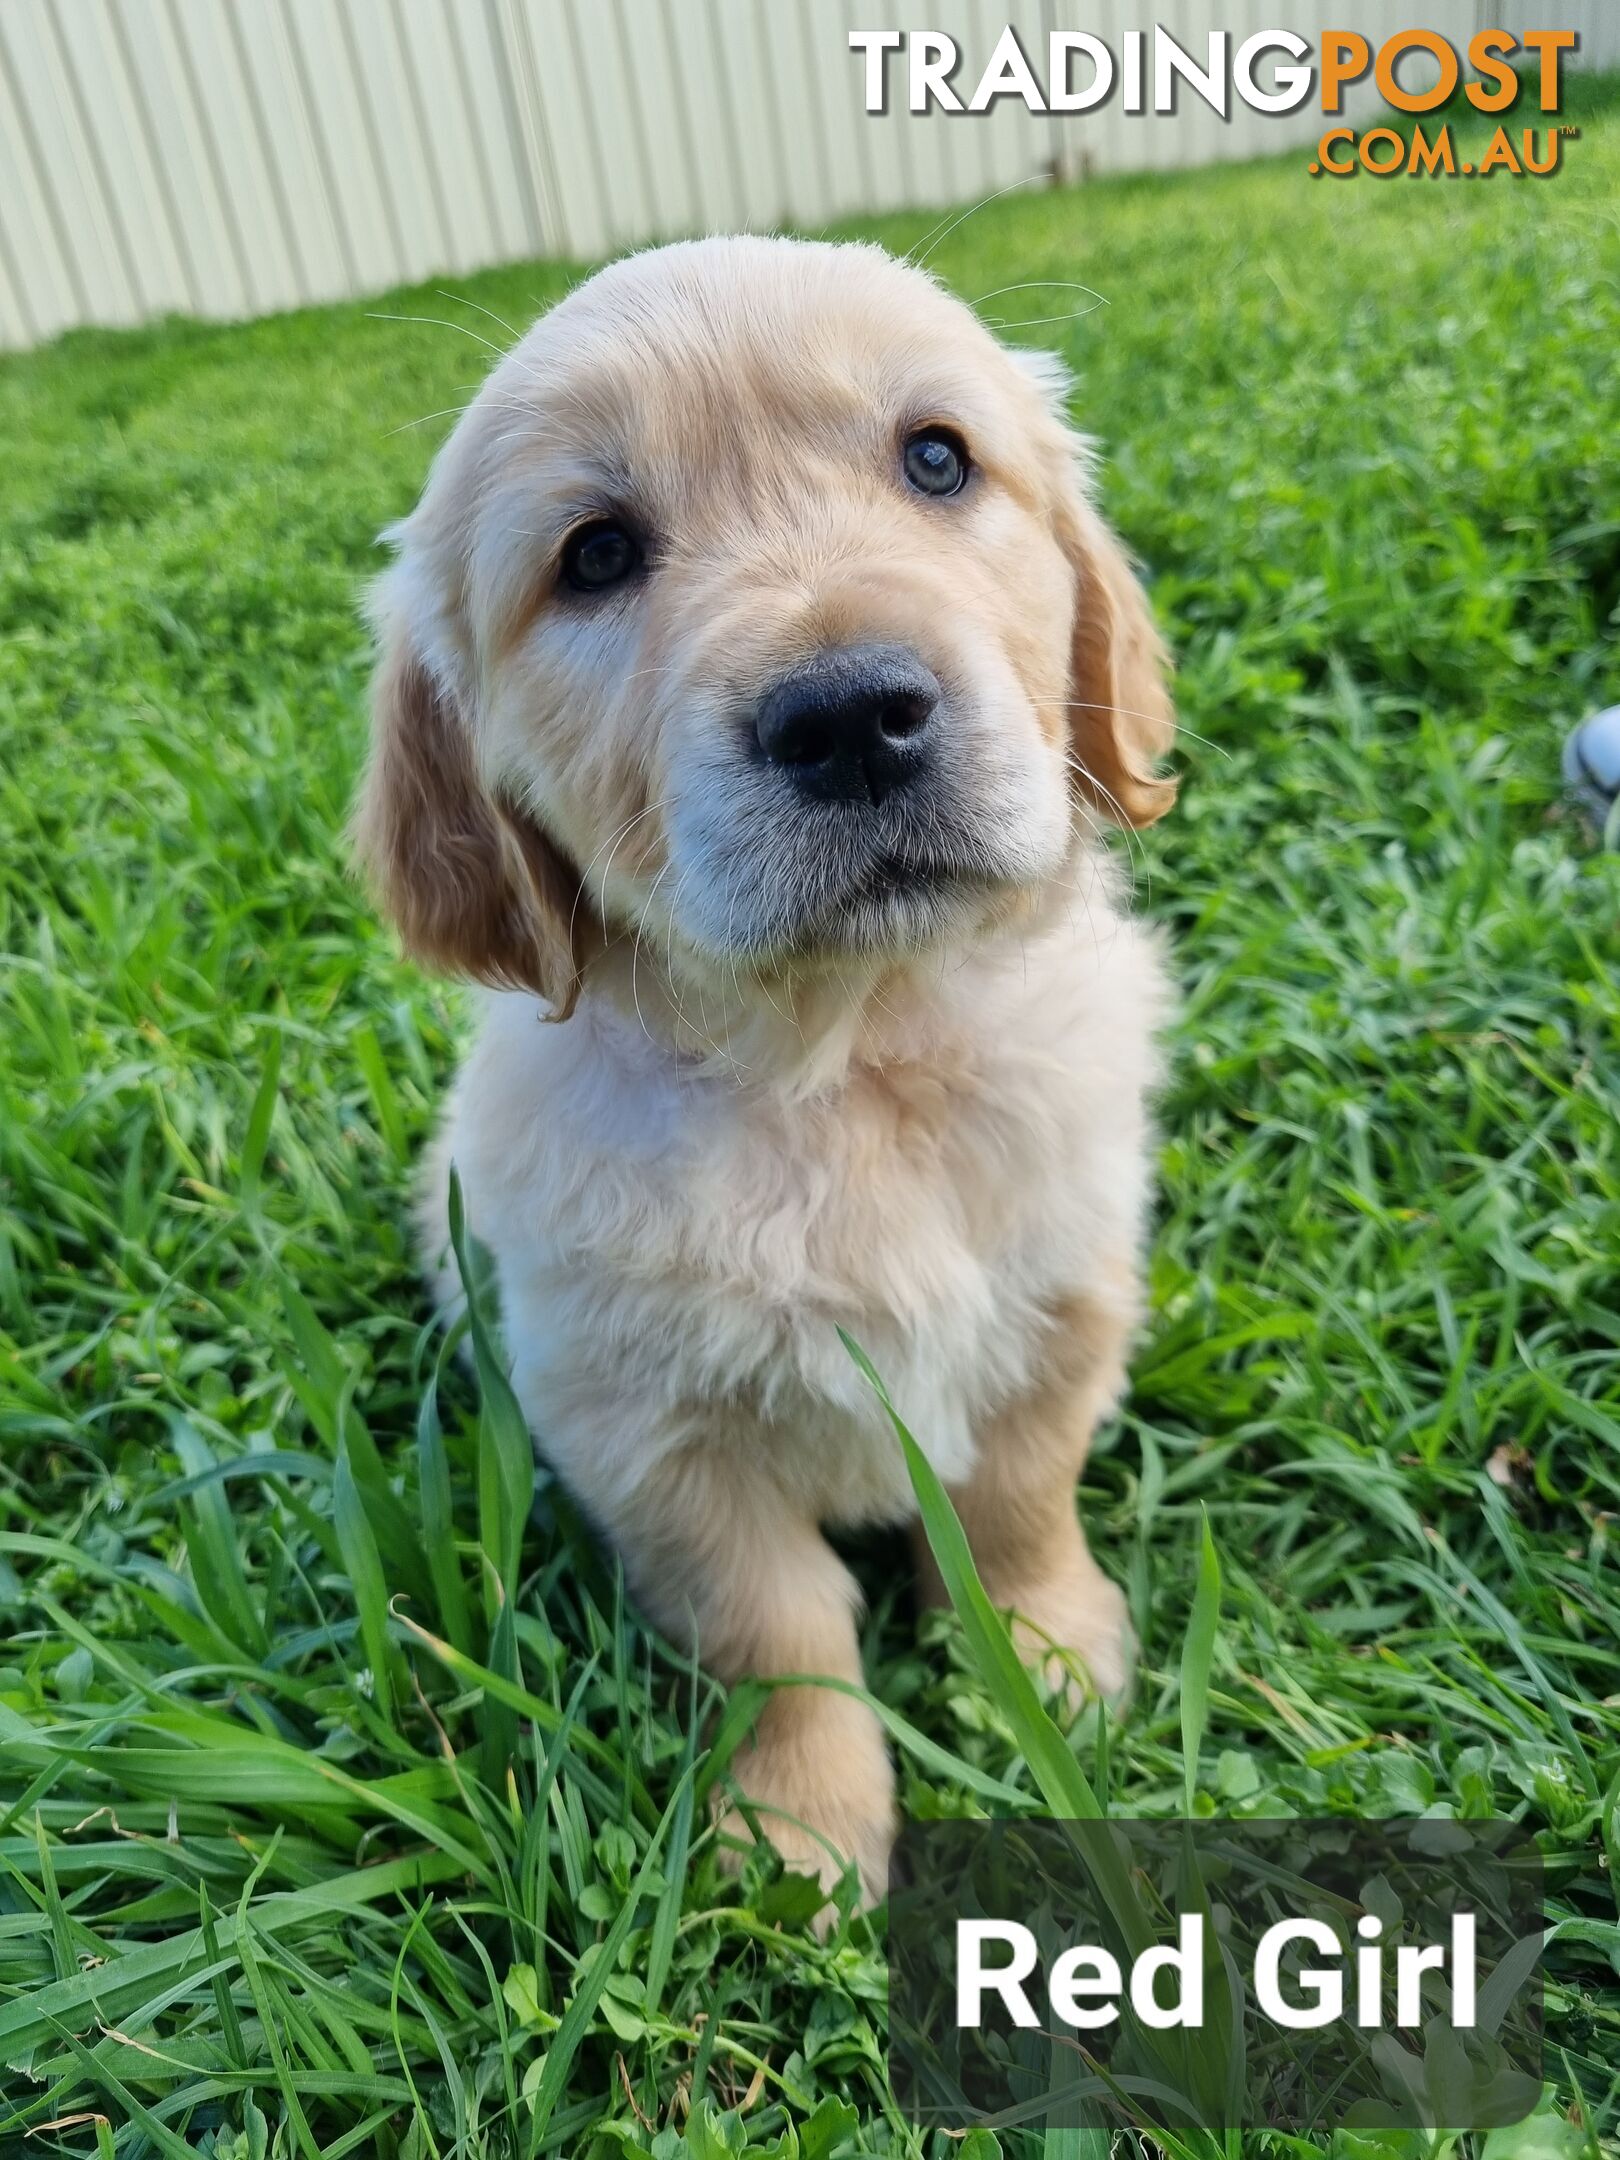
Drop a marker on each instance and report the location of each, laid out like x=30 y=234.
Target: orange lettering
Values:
x=1403 y=42
x=1392 y=163
x=1483 y=50
x=1547 y=45
x=1345 y=56
x=1432 y=157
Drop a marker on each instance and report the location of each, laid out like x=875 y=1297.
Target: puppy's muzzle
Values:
x=853 y=724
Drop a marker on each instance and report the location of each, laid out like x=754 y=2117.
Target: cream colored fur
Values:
x=932 y=1133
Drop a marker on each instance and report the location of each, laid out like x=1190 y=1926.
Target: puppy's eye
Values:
x=599 y=555
x=936 y=462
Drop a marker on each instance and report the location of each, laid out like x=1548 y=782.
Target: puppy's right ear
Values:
x=472 y=884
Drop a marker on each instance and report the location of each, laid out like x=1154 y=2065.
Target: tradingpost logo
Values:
x=1270 y=71
x=1490 y=80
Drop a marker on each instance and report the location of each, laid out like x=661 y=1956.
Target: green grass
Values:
x=320 y=1832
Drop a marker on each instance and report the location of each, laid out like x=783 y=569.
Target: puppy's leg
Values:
x=719 y=1556
x=1018 y=1509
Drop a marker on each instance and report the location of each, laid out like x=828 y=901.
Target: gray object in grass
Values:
x=1592 y=762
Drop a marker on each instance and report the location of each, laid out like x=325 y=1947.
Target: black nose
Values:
x=850 y=725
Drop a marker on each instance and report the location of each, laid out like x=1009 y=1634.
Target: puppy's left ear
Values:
x=472 y=883
x=1121 y=721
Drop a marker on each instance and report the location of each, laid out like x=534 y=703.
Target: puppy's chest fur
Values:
x=677 y=1251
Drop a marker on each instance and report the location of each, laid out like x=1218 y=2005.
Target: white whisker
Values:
x=438 y=322
x=1035 y=322
x=983 y=203
x=460 y=300
x=1042 y=285
x=1131 y=713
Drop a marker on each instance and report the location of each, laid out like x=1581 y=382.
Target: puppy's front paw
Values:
x=1076 y=1629
x=818 y=1778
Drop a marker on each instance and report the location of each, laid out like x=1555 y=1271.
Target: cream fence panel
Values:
x=233 y=157
x=1595 y=22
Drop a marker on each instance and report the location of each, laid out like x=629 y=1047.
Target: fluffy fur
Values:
x=810 y=1065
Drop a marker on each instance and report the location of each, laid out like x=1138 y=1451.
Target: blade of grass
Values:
x=270 y=2025
x=1197 y=1657
x=438 y=1521
x=230 y=2024
x=592 y=1753
x=379 y=1081
x=323 y=1383
x=661 y=1943
x=360 y=1557
x=506 y=1466
x=135 y=2111
x=576 y=2018
x=499 y=1718
x=1062 y=1782
x=210 y=1535
x=261 y=1116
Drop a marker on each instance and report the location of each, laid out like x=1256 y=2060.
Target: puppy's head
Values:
x=755 y=610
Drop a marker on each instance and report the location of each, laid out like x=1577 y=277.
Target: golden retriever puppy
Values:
x=755 y=679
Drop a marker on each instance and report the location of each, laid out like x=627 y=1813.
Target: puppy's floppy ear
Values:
x=472 y=884
x=1121 y=721
x=1120 y=717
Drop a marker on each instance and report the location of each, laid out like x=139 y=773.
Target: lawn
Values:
x=286 y=1869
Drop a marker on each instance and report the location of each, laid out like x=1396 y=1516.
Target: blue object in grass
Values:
x=1592 y=762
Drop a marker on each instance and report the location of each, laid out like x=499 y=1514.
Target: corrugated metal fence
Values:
x=232 y=157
